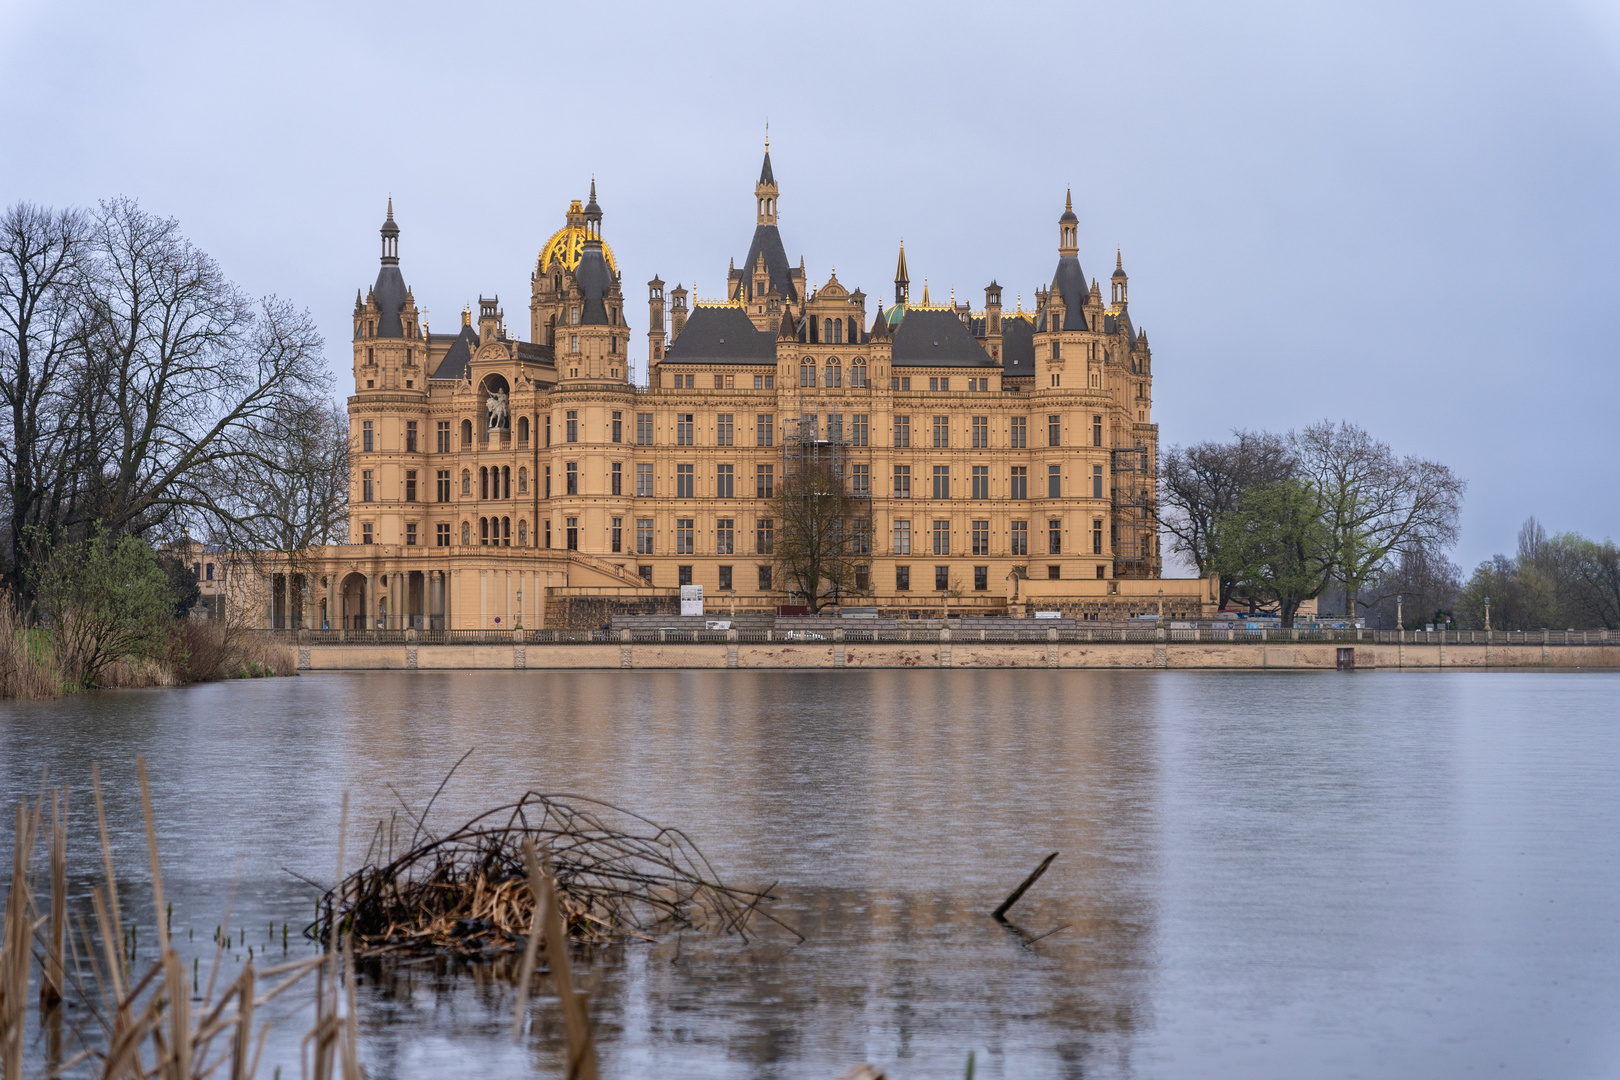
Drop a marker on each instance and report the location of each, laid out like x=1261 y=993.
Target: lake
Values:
x=1386 y=873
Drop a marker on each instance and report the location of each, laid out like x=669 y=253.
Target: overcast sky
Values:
x=1407 y=216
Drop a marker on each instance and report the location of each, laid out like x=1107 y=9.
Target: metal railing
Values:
x=1020 y=632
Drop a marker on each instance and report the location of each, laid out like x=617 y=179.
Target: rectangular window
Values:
x=573 y=343
x=902 y=579
x=683 y=429
x=646 y=573
x=442 y=485
x=942 y=538
x=573 y=478
x=410 y=534
x=683 y=537
x=548 y=431
x=1054 y=431
x=683 y=481
x=616 y=535
x=764 y=537
x=548 y=534
x=1020 y=538
x=764 y=579
x=410 y=436
x=981 y=432
x=617 y=477
x=366 y=536
x=644 y=428
x=860 y=481
x=981 y=481
x=863 y=574
x=368 y=436
x=548 y=485
x=942 y=481
x=1020 y=432
x=1018 y=482
x=1053 y=573
x=644 y=537
x=618 y=426
x=942 y=579
x=1096 y=482
x=441 y=535
x=902 y=431
x=981 y=537
x=1096 y=431
x=723 y=478
x=902 y=538
x=368 y=490
x=942 y=431
x=1096 y=536
x=765 y=481
x=938 y=385
x=857 y=429
x=410 y=485
x=722 y=429
x=442 y=433
x=981 y=578
x=764 y=430
x=725 y=578
x=573 y=425
x=1054 y=537
x=724 y=536
x=1054 y=481
x=644 y=480
x=902 y=481
x=573 y=533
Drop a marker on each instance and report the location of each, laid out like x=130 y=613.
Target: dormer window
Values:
x=573 y=315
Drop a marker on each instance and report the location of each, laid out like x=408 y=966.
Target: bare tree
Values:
x=1374 y=504
x=42 y=262
x=819 y=537
x=1200 y=483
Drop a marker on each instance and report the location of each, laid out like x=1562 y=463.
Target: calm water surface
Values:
x=1262 y=875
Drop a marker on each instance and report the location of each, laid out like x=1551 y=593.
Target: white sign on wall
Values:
x=691 y=600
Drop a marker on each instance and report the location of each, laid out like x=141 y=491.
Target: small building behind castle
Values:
x=1005 y=458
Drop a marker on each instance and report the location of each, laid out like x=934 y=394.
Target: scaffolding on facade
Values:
x=813 y=442
x=1135 y=531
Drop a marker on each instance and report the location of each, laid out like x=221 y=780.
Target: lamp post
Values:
x=1487 y=615
x=1398 y=600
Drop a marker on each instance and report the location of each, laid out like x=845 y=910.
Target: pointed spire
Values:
x=1119 y=264
x=902 y=279
x=925 y=292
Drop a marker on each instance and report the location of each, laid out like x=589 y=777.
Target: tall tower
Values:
x=655 y=321
x=902 y=280
x=765 y=190
x=1068 y=227
x=1119 y=280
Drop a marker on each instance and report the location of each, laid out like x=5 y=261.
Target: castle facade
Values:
x=1007 y=458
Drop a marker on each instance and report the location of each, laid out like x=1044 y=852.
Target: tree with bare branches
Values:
x=1202 y=482
x=819 y=536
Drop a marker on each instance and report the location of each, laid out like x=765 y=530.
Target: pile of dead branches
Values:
x=619 y=876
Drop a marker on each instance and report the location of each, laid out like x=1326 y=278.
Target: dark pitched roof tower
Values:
x=1068 y=279
x=390 y=292
x=767 y=241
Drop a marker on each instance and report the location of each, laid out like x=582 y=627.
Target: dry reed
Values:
x=619 y=876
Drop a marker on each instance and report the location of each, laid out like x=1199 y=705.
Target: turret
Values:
x=655 y=320
x=765 y=191
x=1068 y=228
x=677 y=312
x=1119 y=280
x=902 y=279
x=992 y=320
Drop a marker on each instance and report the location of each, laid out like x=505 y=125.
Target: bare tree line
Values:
x=142 y=392
x=1285 y=518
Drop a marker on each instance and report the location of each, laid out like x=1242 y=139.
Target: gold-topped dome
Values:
x=568 y=242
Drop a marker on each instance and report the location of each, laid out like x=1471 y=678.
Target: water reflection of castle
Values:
x=1008 y=456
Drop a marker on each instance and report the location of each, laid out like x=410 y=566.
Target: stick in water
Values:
x=1000 y=914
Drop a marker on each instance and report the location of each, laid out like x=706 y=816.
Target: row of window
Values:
x=764 y=430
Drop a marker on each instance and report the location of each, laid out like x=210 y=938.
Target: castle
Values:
x=1006 y=458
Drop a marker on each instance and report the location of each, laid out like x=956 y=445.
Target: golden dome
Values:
x=568 y=242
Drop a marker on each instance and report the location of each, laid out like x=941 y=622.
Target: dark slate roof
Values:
x=1017 y=348
x=595 y=279
x=936 y=339
x=1113 y=323
x=769 y=241
x=721 y=335
x=389 y=292
x=534 y=352
x=765 y=174
x=454 y=364
x=1070 y=281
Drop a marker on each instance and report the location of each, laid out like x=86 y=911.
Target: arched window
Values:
x=838 y=331
x=523 y=481
x=826 y=331
x=523 y=430
x=854 y=332
x=807 y=372
x=506 y=531
x=466 y=533
x=483 y=482
x=483 y=531
x=466 y=483
x=523 y=533
x=466 y=433
x=834 y=372
x=506 y=481
x=857 y=371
